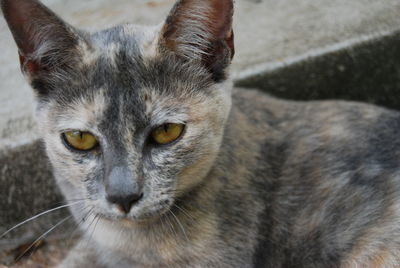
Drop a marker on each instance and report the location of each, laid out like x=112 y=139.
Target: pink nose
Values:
x=124 y=202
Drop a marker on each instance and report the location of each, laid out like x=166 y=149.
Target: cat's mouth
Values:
x=128 y=222
x=144 y=214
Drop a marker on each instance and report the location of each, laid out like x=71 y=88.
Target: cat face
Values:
x=121 y=102
x=132 y=117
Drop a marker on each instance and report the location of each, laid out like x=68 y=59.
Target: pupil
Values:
x=166 y=126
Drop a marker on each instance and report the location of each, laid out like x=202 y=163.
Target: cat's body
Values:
x=296 y=184
x=249 y=181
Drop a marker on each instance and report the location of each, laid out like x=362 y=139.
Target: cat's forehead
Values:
x=133 y=40
x=128 y=57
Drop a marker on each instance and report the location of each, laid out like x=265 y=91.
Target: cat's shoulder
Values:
x=319 y=116
x=340 y=135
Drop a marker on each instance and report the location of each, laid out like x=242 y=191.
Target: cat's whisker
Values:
x=175 y=192
x=180 y=225
x=94 y=228
x=41 y=237
x=89 y=238
x=37 y=216
x=162 y=223
x=172 y=228
x=184 y=212
x=192 y=206
x=76 y=199
x=90 y=224
x=70 y=201
x=84 y=218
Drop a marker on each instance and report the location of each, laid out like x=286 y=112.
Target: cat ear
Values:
x=201 y=30
x=45 y=42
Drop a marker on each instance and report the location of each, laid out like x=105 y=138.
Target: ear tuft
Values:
x=43 y=39
x=201 y=30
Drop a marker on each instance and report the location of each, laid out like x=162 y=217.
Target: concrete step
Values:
x=294 y=49
x=363 y=69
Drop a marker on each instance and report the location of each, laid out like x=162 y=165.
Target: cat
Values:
x=166 y=164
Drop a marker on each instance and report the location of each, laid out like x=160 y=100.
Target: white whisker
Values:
x=84 y=218
x=180 y=224
x=37 y=216
x=172 y=227
x=42 y=236
x=184 y=212
x=94 y=228
x=89 y=238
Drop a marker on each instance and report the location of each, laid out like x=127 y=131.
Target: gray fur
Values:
x=253 y=182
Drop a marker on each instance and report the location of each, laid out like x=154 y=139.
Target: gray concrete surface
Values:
x=303 y=49
x=366 y=69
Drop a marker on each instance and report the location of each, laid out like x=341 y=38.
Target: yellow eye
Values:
x=83 y=141
x=167 y=133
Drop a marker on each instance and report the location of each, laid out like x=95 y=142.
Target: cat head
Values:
x=132 y=117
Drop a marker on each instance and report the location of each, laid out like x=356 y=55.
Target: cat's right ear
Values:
x=44 y=41
x=201 y=30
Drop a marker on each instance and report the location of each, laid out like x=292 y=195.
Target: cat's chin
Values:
x=130 y=222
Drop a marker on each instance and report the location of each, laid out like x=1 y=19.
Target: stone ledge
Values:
x=364 y=69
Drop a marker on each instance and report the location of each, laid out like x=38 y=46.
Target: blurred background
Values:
x=303 y=50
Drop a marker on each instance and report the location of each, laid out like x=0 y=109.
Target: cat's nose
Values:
x=122 y=189
x=124 y=202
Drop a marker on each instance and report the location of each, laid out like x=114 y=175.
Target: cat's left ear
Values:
x=45 y=43
x=201 y=30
